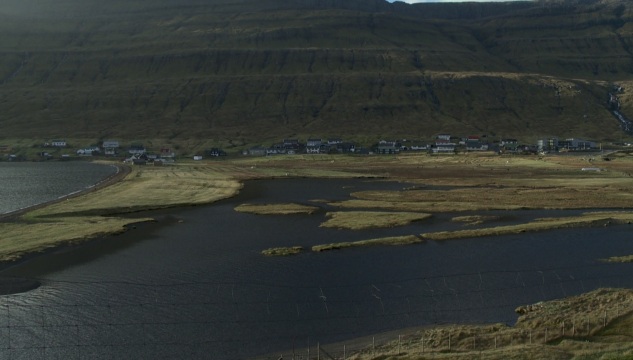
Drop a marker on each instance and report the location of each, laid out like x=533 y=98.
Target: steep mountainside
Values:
x=255 y=70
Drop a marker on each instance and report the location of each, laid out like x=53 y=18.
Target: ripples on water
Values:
x=201 y=289
x=25 y=184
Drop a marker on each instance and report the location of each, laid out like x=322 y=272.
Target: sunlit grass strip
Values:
x=588 y=219
x=276 y=209
x=19 y=239
x=619 y=259
x=393 y=241
x=424 y=206
x=283 y=251
x=358 y=220
x=150 y=188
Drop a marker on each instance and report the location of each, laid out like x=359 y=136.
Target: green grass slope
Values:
x=251 y=71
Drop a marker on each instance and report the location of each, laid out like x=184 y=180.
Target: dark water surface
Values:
x=24 y=184
x=196 y=286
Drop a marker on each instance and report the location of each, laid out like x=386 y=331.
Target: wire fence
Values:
x=453 y=339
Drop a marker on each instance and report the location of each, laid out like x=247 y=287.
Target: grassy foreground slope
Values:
x=241 y=72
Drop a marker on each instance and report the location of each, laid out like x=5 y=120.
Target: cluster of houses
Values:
x=312 y=146
x=442 y=144
x=134 y=153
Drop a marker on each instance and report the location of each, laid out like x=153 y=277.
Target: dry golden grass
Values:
x=150 y=188
x=391 y=241
x=19 y=239
x=358 y=220
x=619 y=259
x=587 y=219
x=571 y=334
x=276 y=209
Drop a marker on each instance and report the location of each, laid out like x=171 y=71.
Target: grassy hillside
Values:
x=251 y=71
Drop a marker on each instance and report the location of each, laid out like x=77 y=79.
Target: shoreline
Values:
x=121 y=173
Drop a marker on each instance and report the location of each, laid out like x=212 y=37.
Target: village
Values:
x=138 y=154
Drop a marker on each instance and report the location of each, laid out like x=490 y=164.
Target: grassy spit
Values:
x=588 y=219
x=276 y=209
x=282 y=251
x=359 y=220
x=395 y=240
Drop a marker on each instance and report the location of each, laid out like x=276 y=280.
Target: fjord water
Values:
x=194 y=285
x=24 y=184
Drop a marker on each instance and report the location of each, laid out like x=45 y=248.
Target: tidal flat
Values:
x=464 y=182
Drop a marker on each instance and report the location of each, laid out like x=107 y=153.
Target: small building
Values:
x=346 y=147
x=137 y=149
x=197 y=157
x=446 y=137
x=547 y=145
x=89 y=151
x=313 y=146
x=58 y=143
x=215 y=152
x=291 y=144
x=418 y=146
x=255 y=151
x=443 y=147
x=577 y=144
x=110 y=147
x=166 y=152
x=387 y=147
x=476 y=146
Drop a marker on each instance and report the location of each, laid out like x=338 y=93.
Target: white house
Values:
x=58 y=143
x=88 y=151
x=313 y=146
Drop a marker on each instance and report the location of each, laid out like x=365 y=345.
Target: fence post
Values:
x=495 y=341
x=573 y=329
x=318 y=351
x=563 y=332
x=422 y=344
x=604 y=324
x=545 y=341
x=449 y=341
x=399 y=341
x=373 y=345
x=344 y=353
x=530 y=337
